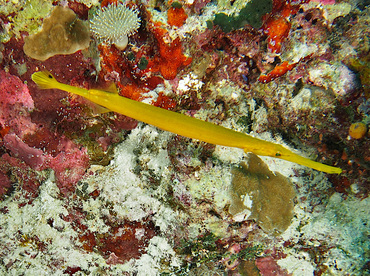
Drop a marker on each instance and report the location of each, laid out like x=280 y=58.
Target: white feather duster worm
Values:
x=114 y=23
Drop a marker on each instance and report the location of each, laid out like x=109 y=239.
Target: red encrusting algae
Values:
x=277 y=24
x=278 y=71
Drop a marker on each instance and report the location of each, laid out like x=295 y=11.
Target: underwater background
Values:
x=85 y=191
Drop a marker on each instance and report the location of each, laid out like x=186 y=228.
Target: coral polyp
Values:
x=114 y=23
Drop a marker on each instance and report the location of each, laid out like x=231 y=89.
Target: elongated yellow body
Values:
x=181 y=124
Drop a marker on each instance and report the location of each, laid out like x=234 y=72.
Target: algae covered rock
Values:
x=261 y=195
x=250 y=14
x=62 y=33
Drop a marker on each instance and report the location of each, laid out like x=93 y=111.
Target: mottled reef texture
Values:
x=84 y=191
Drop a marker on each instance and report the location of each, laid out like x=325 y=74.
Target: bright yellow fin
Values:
x=98 y=109
x=45 y=80
x=112 y=88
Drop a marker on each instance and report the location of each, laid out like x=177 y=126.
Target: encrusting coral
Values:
x=62 y=33
x=114 y=23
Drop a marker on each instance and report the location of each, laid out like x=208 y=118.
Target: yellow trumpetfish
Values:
x=181 y=124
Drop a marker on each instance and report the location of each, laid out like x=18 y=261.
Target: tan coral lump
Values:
x=62 y=34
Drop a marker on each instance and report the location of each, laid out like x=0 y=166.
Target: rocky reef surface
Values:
x=84 y=191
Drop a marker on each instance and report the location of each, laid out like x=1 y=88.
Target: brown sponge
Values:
x=62 y=33
x=270 y=195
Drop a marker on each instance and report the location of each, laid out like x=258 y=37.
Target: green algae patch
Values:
x=250 y=14
x=23 y=15
x=261 y=195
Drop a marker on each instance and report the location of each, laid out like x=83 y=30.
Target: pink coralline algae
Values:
x=69 y=167
x=325 y=2
x=15 y=105
x=15 y=121
x=68 y=160
x=268 y=266
x=33 y=157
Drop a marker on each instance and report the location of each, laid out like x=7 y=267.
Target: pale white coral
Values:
x=114 y=23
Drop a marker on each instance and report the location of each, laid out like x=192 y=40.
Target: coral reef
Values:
x=84 y=191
